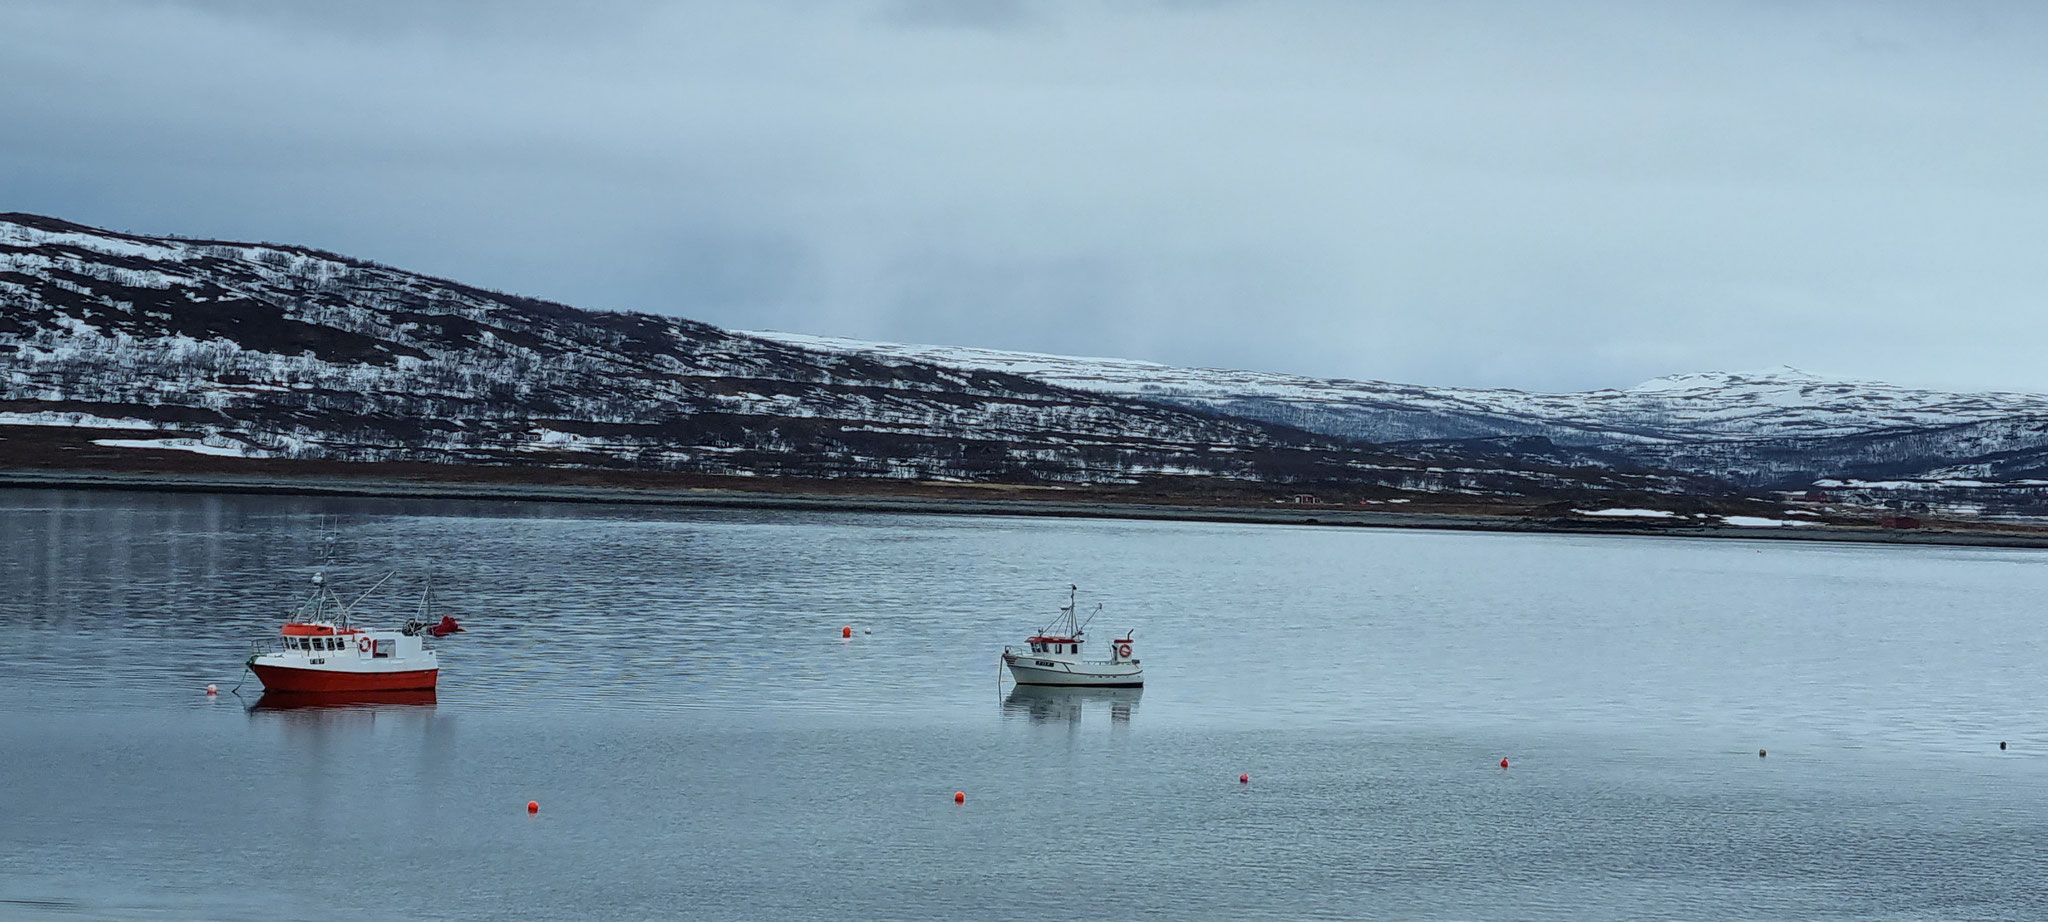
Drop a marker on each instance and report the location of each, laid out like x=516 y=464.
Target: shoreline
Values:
x=1946 y=533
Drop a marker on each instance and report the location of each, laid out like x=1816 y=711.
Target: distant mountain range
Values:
x=1775 y=430
x=274 y=351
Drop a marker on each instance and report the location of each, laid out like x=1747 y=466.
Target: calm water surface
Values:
x=671 y=686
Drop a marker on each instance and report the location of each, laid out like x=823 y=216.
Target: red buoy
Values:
x=533 y=806
x=1245 y=778
x=959 y=797
x=846 y=631
x=1503 y=763
x=211 y=690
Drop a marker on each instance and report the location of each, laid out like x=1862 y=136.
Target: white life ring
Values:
x=364 y=644
x=1123 y=650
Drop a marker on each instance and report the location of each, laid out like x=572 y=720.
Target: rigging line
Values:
x=1047 y=629
x=1066 y=611
x=350 y=607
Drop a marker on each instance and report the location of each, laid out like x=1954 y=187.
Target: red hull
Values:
x=281 y=678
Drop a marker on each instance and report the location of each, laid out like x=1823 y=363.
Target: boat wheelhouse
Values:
x=1053 y=655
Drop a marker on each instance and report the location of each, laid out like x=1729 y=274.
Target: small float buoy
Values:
x=867 y=630
x=215 y=690
x=1761 y=753
x=846 y=631
x=959 y=797
x=533 y=806
x=2001 y=743
x=1503 y=763
x=1244 y=778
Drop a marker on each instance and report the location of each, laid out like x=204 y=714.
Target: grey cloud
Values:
x=1549 y=197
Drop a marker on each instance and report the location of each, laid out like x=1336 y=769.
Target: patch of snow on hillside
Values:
x=1753 y=521
x=96 y=243
x=1629 y=513
x=1781 y=376
x=191 y=445
x=78 y=420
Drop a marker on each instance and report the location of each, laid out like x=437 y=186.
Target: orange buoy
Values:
x=1244 y=778
x=959 y=797
x=1503 y=763
x=846 y=631
x=212 y=690
x=533 y=806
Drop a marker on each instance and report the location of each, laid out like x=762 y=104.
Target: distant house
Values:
x=1305 y=499
x=1816 y=496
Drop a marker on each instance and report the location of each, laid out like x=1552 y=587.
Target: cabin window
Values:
x=1059 y=648
x=382 y=648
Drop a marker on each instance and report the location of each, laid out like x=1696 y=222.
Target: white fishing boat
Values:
x=1053 y=655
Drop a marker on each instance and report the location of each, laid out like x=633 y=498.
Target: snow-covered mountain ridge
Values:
x=1781 y=428
x=278 y=351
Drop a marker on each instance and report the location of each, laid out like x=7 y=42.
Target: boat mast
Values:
x=1066 y=614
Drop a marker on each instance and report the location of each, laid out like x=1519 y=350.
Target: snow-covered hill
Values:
x=278 y=351
x=1781 y=428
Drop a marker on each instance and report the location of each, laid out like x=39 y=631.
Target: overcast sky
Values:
x=1548 y=196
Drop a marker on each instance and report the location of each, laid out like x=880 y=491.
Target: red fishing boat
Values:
x=320 y=650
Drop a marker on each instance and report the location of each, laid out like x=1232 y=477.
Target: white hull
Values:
x=1029 y=670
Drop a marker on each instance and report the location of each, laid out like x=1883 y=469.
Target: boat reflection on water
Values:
x=1044 y=703
x=293 y=701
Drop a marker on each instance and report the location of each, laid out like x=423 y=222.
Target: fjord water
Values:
x=672 y=688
